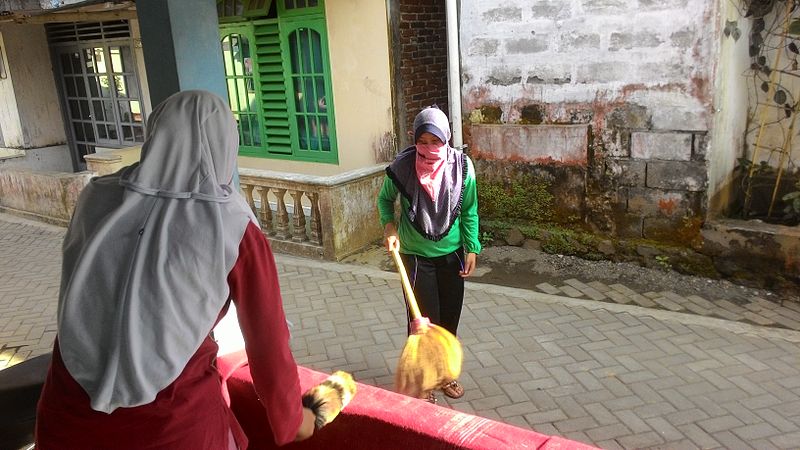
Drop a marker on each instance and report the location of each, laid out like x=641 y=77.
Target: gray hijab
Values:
x=432 y=219
x=147 y=255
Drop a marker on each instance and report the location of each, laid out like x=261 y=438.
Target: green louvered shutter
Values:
x=273 y=88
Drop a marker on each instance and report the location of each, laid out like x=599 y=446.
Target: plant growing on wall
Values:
x=774 y=49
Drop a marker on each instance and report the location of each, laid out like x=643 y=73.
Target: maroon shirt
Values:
x=191 y=413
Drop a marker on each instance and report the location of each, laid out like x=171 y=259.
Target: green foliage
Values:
x=792 y=200
x=745 y=165
x=663 y=261
x=485 y=238
x=523 y=198
x=794 y=28
x=561 y=242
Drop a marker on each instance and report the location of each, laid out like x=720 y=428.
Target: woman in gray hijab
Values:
x=151 y=259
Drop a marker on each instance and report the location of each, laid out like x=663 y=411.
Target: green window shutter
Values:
x=304 y=47
x=237 y=10
x=243 y=84
x=288 y=8
x=273 y=88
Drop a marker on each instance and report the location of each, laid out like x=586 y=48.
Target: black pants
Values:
x=438 y=287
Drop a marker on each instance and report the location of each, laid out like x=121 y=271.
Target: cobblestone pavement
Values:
x=756 y=310
x=614 y=374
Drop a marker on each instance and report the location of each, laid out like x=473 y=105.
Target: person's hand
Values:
x=307 y=427
x=470 y=261
x=391 y=240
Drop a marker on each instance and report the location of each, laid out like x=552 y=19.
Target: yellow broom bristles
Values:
x=430 y=358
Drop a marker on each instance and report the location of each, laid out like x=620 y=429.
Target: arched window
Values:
x=242 y=81
x=307 y=77
x=278 y=77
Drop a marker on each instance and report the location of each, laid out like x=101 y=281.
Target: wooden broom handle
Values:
x=412 y=301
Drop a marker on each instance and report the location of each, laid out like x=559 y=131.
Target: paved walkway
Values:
x=613 y=375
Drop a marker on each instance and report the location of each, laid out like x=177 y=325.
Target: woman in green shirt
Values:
x=438 y=231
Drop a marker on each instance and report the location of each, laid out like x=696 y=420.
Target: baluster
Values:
x=282 y=227
x=299 y=222
x=316 y=225
x=266 y=211
x=248 y=195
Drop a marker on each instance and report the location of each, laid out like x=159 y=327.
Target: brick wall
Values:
x=421 y=60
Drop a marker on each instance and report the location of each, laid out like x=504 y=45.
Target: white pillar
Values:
x=454 y=71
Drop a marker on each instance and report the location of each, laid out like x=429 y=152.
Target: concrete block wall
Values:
x=638 y=73
x=653 y=53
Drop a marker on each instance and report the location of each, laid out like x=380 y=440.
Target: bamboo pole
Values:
x=763 y=119
x=786 y=151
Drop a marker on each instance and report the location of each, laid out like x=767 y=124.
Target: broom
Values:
x=432 y=355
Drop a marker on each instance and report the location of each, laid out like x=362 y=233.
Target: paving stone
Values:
x=788 y=323
x=608 y=432
x=699 y=437
x=618 y=297
x=757 y=318
x=548 y=288
x=758 y=431
x=736 y=309
x=679 y=299
x=542 y=417
x=788 y=440
x=599 y=286
x=587 y=290
x=612 y=378
x=664 y=429
x=697 y=309
x=716 y=424
x=570 y=291
x=730 y=440
x=700 y=301
x=600 y=413
x=777 y=420
x=725 y=314
x=668 y=304
x=641 y=440
x=622 y=289
x=642 y=301
x=632 y=421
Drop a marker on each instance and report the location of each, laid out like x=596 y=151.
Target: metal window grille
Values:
x=61 y=33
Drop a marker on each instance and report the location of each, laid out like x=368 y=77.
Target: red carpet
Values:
x=383 y=420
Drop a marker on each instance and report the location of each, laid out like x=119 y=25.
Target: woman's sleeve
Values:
x=256 y=293
x=469 y=212
x=386 y=198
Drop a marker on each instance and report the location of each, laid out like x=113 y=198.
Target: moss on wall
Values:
x=524 y=198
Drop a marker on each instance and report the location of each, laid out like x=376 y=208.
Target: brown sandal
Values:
x=430 y=397
x=453 y=389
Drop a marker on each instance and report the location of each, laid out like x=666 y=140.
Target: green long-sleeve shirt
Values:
x=464 y=231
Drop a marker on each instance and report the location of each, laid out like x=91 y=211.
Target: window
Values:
x=301 y=6
x=242 y=81
x=228 y=10
x=98 y=84
x=306 y=74
x=278 y=76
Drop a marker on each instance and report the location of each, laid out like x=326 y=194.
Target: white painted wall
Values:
x=730 y=105
x=138 y=54
x=48 y=159
x=33 y=86
x=9 y=111
x=655 y=53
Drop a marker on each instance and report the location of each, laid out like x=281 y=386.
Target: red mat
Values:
x=380 y=419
